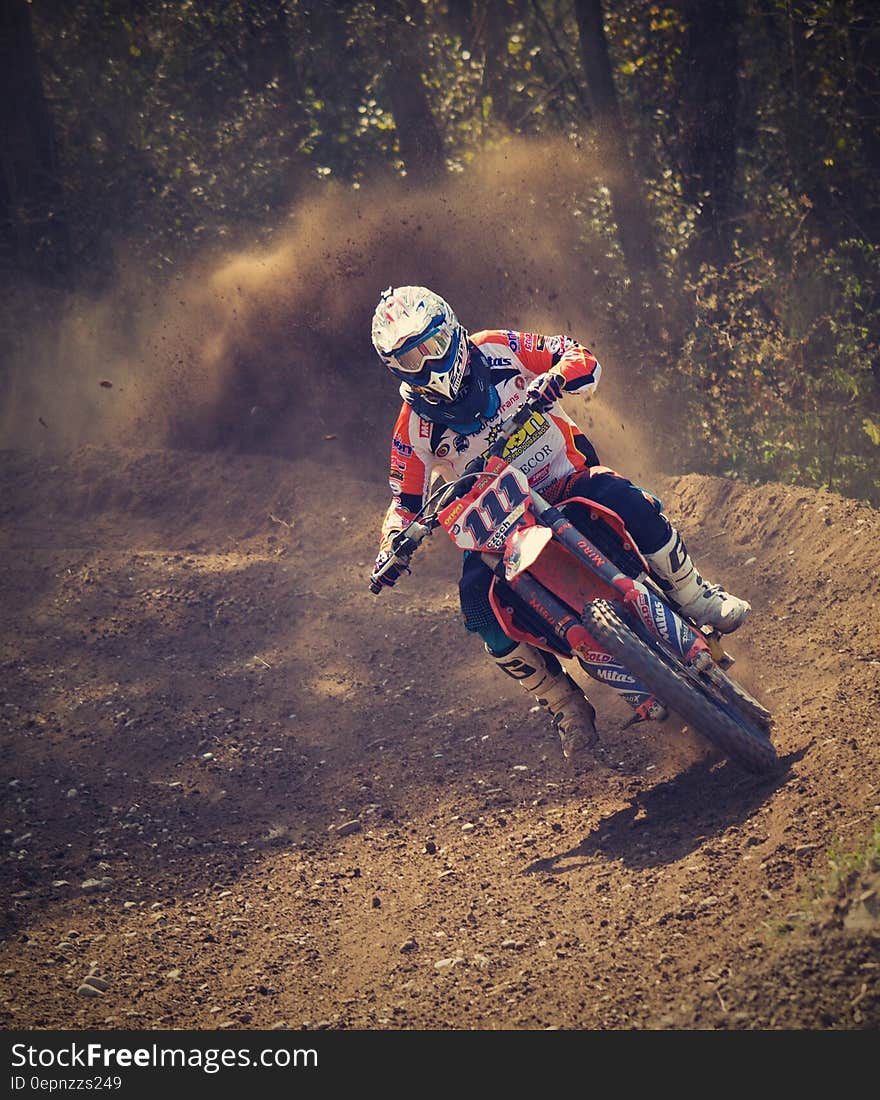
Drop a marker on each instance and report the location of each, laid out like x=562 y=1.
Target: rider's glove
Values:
x=545 y=390
x=391 y=575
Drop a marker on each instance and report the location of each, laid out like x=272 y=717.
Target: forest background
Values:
x=727 y=226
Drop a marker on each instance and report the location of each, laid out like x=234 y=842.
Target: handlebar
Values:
x=406 y=542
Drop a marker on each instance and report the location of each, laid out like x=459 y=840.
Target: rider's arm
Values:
x=578 y=367
x=409 y=474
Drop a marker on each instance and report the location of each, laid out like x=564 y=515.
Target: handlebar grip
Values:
x=406 y=546
x=375 y=587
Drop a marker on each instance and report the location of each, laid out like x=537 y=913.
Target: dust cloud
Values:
x=268 y=349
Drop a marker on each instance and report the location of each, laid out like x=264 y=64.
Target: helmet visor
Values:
x=411 y=357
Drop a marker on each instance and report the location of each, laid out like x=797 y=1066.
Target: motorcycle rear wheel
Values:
x=735 y=736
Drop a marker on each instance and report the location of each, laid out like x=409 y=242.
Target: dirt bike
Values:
x=570 y=579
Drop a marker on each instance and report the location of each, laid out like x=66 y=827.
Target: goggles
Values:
x=412 y=357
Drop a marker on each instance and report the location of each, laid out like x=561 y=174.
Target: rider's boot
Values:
x=707 y=604
x=541 y=674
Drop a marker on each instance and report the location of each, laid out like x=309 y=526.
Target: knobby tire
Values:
x=738 y=740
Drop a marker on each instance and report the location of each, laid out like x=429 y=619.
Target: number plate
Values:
x=485 y=522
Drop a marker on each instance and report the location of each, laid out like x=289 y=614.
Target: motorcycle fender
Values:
x=523 y=549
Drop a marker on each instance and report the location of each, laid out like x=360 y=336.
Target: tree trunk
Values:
x=419 y=139
x=271 y=54
x=460 y=14
x=494 y=32
x=271 y=60
x=864 y=34
x=630 y=211
x=7 y=233
x=34 y=219
x=483 y=31
x=709 y=103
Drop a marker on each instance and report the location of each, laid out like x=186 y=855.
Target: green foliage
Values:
x=843 y=865
x=200 y=119
x=779 y=361
x=776 y=343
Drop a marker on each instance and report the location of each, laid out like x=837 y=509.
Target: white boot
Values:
x=572 y=713
x=707 y=604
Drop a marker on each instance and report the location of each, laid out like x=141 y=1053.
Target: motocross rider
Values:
x=456 y=389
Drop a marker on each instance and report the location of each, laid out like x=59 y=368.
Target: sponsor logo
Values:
x=677 y=555
x=396 y=487
x=402 y=448
x=424 y=429
x=498 y=361
x=510 y=401
x=539 y=475
x=539 y=609
x=540 y=342
x=559 y=345
x=528 y=341
x=654 y=615
x=539 y=456
x=512 y=341
x=611 y=676
x=592 y=554
x=523 y=438
x=597 y=657
x=517 y=668
x=500 y=533
x=492 y=434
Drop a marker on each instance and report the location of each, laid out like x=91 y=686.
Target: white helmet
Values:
x=419 y=339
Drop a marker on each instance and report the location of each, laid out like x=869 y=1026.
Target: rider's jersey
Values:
x=546 y=448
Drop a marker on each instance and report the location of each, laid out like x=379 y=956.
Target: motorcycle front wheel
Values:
x=737 y=737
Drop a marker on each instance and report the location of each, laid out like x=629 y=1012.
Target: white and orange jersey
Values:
x=548 y=447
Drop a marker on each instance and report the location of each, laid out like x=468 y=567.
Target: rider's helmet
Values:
x=446 y=378
x=420 y=340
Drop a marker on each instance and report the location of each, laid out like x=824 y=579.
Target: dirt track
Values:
x=198 y=693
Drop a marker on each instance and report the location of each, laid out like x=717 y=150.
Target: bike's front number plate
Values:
x=485 y=523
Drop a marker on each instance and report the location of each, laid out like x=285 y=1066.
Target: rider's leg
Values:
x=663 y=548
x=539 y=672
